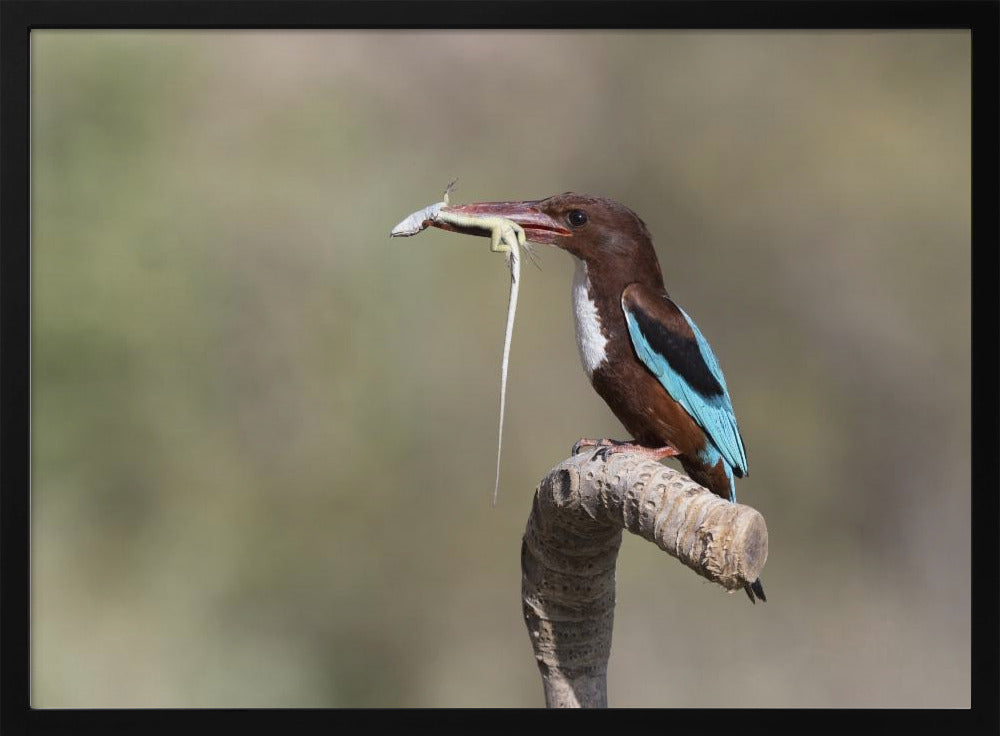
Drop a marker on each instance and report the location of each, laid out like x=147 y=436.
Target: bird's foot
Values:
x=606 y=447
x=583 y=443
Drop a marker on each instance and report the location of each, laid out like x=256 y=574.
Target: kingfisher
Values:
x=642 y=353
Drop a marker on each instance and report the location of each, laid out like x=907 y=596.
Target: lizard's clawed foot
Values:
x=505 y=237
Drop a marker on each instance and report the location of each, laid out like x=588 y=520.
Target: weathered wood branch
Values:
x=570 y=548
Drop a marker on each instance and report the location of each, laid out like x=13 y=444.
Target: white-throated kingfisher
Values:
x=643 y=354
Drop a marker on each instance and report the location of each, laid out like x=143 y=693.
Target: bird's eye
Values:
x=577 y=218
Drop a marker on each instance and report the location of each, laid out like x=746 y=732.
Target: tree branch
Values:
x=570 y=548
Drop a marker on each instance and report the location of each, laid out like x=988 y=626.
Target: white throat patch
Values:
x=590 y=341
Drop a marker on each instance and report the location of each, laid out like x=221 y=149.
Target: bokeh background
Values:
x=263 y=433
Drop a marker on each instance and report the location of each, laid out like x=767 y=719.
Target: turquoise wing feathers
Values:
x=669 y=343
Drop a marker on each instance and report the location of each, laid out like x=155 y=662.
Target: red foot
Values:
x=612 y=447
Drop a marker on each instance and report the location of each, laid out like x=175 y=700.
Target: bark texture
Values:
x=570 y=548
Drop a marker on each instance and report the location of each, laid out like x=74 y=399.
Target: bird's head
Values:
x=602 y=233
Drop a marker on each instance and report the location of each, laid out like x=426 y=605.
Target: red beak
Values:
x=538 y=226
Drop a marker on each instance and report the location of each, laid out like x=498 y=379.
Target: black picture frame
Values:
x=19 y=18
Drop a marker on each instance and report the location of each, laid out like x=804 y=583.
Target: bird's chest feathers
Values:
x=591 y=339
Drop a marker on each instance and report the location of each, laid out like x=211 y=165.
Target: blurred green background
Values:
x=263 y=432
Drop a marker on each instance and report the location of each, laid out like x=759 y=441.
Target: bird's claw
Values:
x=583 y=442
x=602 y=453
x=604 y=447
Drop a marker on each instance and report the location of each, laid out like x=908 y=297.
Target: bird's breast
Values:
x=591 y=339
